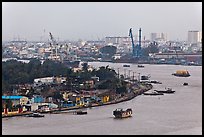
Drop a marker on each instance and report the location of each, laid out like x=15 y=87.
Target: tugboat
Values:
x=120 y=113
x=168 y=90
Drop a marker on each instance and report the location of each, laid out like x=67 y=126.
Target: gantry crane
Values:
x=136 y=50
x=54 y=43
x=133 y=45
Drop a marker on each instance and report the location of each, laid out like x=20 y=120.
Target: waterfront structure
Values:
x=10 y=103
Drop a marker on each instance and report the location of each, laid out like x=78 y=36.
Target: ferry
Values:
x=120 y=113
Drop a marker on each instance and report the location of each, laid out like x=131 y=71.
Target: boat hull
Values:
x=122 y=114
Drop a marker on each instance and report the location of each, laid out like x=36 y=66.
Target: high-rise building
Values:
x=158 y=36
x=194 y=36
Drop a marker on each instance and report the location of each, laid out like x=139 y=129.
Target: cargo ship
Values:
x=181 y=73
x=120 y=113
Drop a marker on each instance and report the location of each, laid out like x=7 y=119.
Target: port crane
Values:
x=53 y=43
x=136 y=50
x=133 y=45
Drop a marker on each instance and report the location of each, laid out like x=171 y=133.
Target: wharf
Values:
x=16 y=114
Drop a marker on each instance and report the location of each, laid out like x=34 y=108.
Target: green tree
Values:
x=108 y=50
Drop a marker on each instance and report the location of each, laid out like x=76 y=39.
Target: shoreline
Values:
x=126 y=97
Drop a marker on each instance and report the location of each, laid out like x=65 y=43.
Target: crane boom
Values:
x=133 y=45
x=53 y=43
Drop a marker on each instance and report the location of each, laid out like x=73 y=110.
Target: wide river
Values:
x=178 y=113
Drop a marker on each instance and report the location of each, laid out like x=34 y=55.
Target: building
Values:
x=10 y=103
x=46 y=80
x=158 y=36
x=194 y=36
x=117 y=40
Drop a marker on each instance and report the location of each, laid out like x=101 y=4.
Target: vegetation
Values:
x=108 y=50
x=14 y=72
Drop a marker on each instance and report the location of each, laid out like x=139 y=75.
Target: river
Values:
x=169 y=114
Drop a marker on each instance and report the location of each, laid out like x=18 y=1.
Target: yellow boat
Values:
x=181 y=73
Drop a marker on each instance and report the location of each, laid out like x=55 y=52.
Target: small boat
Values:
x=120 y=113
x=181 y=73
x=153 y=93
x=143 y=77
x=140 y=66
x=155 y=82
x=185 y=84
x=168 y=90
x=80 y=112
x=126 y=65
x=35 y=115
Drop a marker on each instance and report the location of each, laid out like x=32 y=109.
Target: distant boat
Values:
x=35 y=115
x=80 y=112
x=155 y=82
x=143 y=77
x=153 y=93
x=140 y=66
x=185 y=84
x=181 y=73
x=120 y=113
x=126 y=65
x=168 y=90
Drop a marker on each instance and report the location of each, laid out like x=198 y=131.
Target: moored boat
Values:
x=140 y=66
x=35 y=115
x=155 y=82
x=126 y=65
x=153 y=93
x=168 y=90
x=80 y=112
x=120 y=113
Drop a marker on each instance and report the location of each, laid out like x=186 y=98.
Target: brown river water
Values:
x=169 y=114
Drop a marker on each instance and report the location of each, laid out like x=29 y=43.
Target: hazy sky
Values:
x=93 y=20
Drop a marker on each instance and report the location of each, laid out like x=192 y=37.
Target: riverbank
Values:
x=135 y=91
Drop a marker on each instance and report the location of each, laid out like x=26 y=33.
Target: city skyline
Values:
x=96 y=20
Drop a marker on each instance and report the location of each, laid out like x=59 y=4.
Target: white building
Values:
x=46 y=80
x=194 y=36
x=158 y=36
